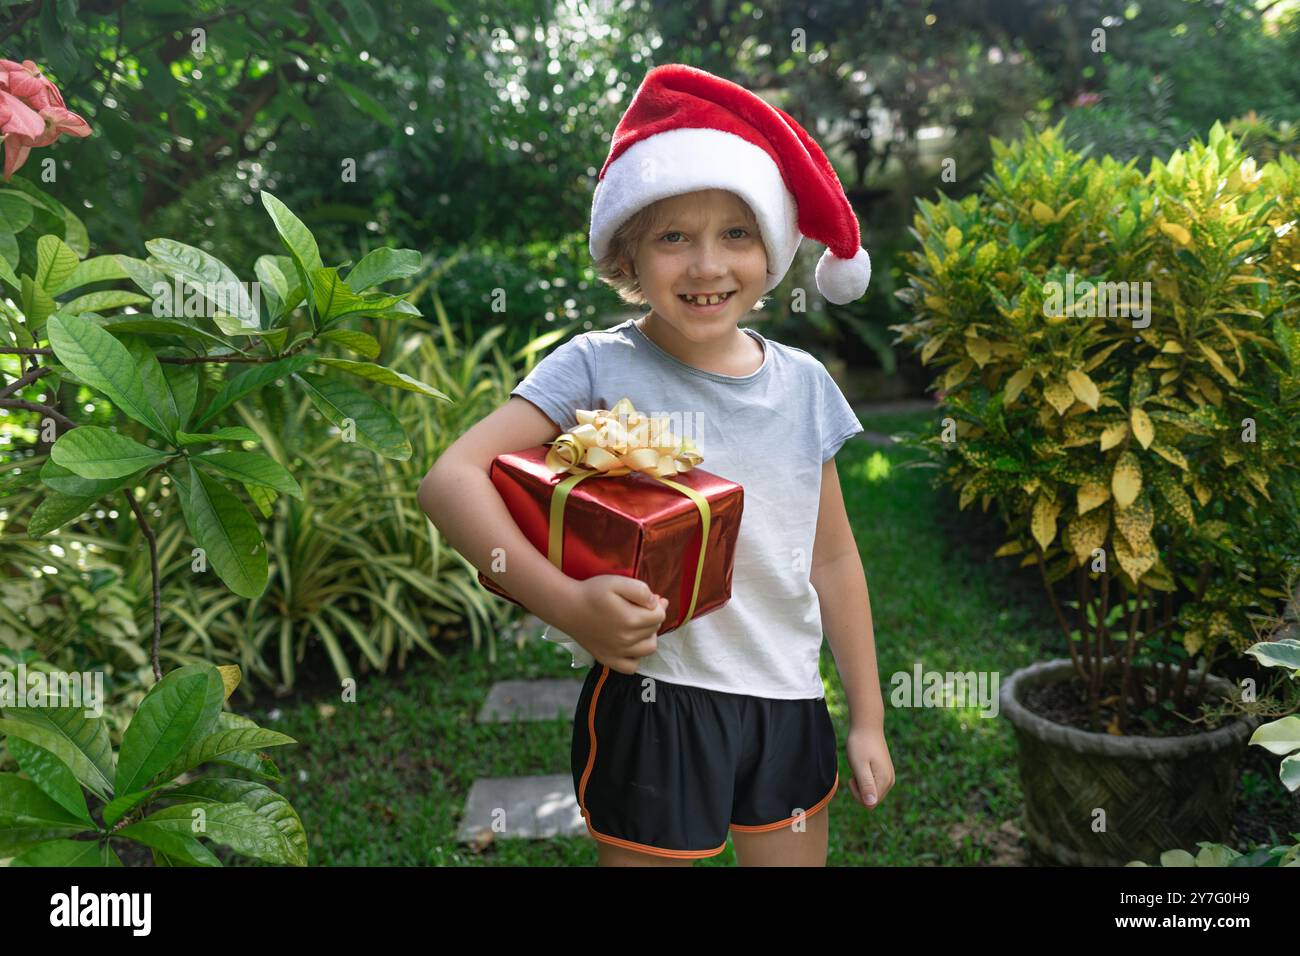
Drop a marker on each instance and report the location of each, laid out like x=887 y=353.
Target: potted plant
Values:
x=1120 y=363
x=1281 y=736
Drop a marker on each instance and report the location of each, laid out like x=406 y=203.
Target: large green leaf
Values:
x=157 y=387
x=262 y=799
x=74 y=230
x=57 y=509
x=55 y=262
x=15 y=212
x=216 y=281
x=382 y=375
x=376 y=427
x=63 y=853
x=102 y=362
x=98 y=269
x=236 y=825
x=251 y=380
x=383 y=265
x=229 y=535
x=334 y=300
x=180 y=708
x=296 y=237
x=69 y=482
x=52 y=775
x=364 y=345
x=222 y=742
x=29 y=817
x=251 y=468
x=94 y=452
x=172 y=837
x=228 y=433
x=79 y=741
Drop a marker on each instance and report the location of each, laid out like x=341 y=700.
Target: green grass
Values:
x=382 y=781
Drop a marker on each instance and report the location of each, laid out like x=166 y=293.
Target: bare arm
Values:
x=841 y=585
x=460 y=499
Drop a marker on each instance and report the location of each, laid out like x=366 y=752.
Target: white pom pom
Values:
x=843 y=280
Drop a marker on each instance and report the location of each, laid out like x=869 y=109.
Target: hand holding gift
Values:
x=676 y=534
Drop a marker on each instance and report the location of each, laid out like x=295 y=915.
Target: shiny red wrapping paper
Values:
x=631 y=525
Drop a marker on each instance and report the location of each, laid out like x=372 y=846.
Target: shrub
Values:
x=1120 y=366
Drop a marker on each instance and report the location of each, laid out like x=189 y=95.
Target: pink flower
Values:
x=1086 y=99
x=32 y=113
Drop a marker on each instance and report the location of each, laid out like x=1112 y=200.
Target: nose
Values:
x=708 y=261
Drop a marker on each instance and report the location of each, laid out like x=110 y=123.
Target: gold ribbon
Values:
x=611 y=443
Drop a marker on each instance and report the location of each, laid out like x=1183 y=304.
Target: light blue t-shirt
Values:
x=770 y=432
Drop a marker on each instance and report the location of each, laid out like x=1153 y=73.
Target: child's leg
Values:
x=786 y=846
x=618 y=856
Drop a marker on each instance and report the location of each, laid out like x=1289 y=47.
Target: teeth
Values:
x=706 y=299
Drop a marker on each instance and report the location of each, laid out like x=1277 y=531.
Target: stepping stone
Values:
x=550 y=699
x=529 y=808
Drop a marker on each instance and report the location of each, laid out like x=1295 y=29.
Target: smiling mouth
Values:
x=716 y=298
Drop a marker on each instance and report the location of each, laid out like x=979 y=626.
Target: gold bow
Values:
x=620 y=440
x=612 y=442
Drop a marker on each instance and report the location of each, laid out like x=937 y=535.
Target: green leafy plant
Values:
x=1120 y=367
x=146 y=792
x=156 y=368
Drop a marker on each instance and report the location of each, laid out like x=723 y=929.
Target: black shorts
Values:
x=669 y=775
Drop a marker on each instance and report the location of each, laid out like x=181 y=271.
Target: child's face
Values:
x=709 y=242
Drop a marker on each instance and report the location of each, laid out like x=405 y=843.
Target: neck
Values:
x=723 y=354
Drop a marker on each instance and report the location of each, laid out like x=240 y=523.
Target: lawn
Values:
x=381 y=782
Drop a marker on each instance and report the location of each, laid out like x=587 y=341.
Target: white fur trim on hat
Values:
x=843 y=280
x=685 y=160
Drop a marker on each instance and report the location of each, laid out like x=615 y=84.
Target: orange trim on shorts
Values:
x=582 y=789
x=788 y=820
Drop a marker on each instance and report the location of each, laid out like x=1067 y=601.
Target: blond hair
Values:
x=627 y=239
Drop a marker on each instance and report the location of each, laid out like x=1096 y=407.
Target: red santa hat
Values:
x=687 y=130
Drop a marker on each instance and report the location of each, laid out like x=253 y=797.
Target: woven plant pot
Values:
x=1158 y=793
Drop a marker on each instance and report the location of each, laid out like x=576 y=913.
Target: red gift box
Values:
x=631 y=524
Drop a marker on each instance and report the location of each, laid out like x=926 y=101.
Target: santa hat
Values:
x=687 y=130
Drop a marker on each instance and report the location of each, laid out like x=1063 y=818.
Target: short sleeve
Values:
x=560 y=383
x=838 y=422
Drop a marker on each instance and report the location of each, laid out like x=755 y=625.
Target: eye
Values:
x=667 y=234
x=740 y=229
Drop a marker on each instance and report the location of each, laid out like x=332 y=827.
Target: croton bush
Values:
x=1119 y=359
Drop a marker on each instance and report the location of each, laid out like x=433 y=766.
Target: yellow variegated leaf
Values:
x=978 y=349
x=1172 y=346
x=1217 y=362
x=1043 y=522
x=1113 y=435
x=1016 y=384
x=968 y=493
x=1059 y=395
x=1208 y=388
x=957 y=374
x=952 y=238
x=1260 y=481
x=1065 y=210
x=1008 y=549
x=1135 y=521
x=1088 y=532
x=1193 y=640
x=1091 y=495
x=1083 y=388
x=935 y=303
x=932 y=346
x=1143 y=430
x=1169 y=454
x=1043 y=213
x=1201 y=491
x=1135 y=561
x=1126 y=479
x=1176 y=233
